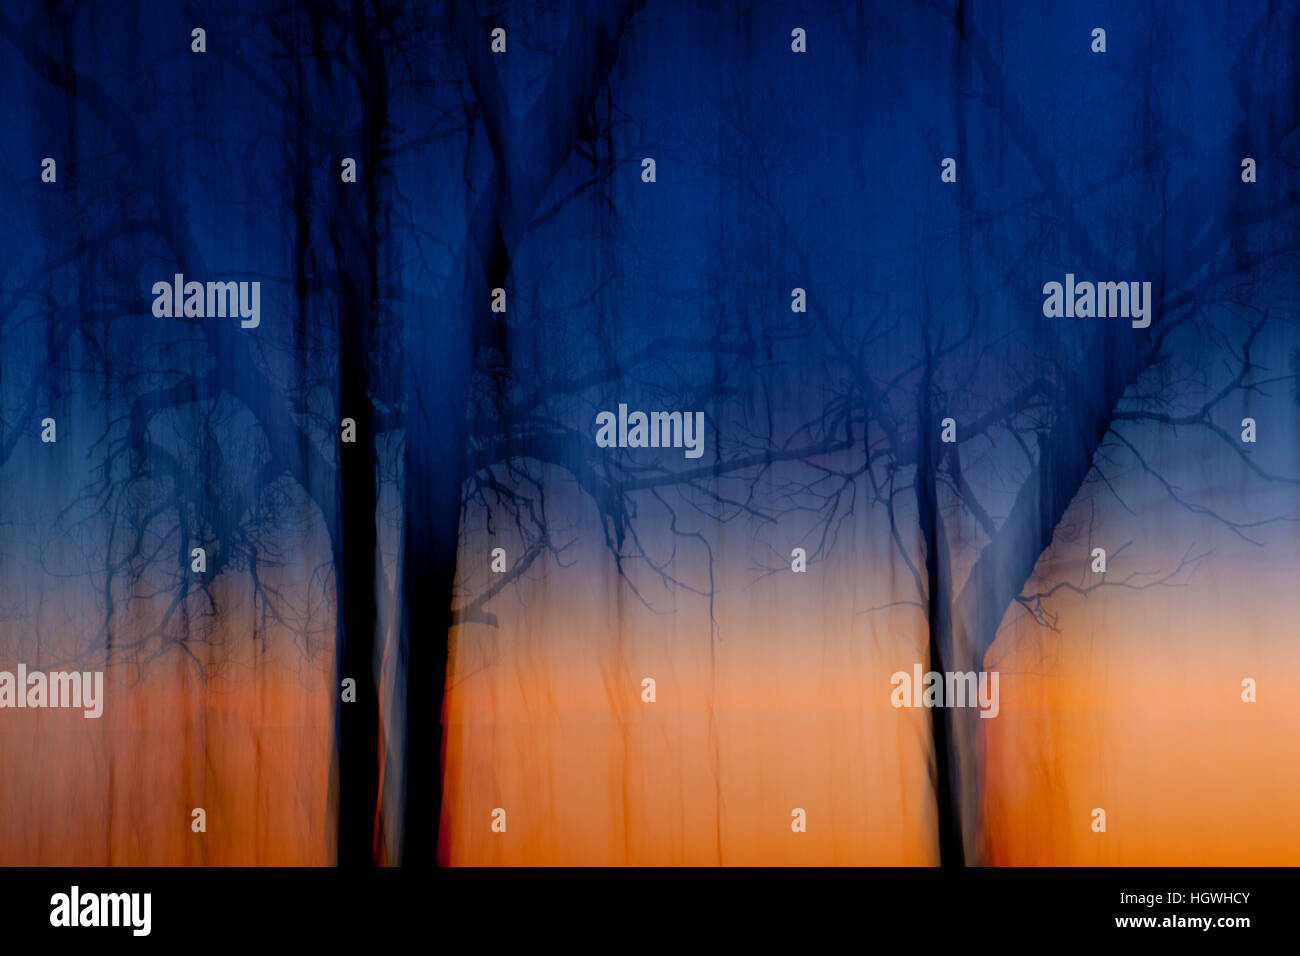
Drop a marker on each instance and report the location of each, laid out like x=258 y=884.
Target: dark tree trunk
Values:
x=356 y=233
x=357 y=726
x=430 y=550
x=435 y=462
x=438 y=396
x=945 y=781
x=947 y=793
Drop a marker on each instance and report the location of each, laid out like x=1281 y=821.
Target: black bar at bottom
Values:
x=604 y=908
